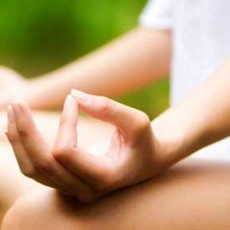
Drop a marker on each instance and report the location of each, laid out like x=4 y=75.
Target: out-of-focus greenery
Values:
x=37 y=36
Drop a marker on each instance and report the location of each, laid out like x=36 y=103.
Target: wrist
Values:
x=31 y=92
x=172 y=138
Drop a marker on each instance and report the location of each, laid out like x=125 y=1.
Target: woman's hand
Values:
x=132 y=156
x=12 y=86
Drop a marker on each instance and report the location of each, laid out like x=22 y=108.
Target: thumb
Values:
x=123 y=117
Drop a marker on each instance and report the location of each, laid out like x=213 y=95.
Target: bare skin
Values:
x=168 y=147
x=166 y=140
x=12 y=182
x=140 y=57
x=83 y=74
x=193 y=195
x=187 y=186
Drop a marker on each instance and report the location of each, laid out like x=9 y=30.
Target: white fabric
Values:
x=201 y=42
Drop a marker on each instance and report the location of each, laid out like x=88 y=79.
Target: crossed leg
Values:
x=12 y=182
x=193 y=195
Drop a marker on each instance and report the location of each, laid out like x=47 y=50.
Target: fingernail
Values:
x=10 y=114
x=80 y=96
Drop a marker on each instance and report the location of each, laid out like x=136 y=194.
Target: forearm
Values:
x=131 y=62
x=201 y=119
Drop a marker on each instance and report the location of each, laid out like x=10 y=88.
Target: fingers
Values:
x=99 y=172
x=32 y=150
x=127 y=119
x=29 y=135
x=66 y=181
x=23 y=160
x=13 y=137
x=67 y=132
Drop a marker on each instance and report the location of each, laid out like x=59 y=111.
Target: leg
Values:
x=12 y=182
x=193 y=195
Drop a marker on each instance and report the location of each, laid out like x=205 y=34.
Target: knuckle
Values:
x=107 y=182
x=143 y=122
x=105 y=103
x=28 y=171
x=140 y=129
x=41 y=166
x=60 y=152
x=23 y=131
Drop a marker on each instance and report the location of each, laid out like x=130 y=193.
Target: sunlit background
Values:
x=37 y=36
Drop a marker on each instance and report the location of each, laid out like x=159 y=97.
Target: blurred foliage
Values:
x=37 y=36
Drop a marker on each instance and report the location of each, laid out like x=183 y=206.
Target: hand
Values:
x=12 y=86
x=132 y=156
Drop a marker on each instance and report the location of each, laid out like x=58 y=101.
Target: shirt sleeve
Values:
x=158 y=14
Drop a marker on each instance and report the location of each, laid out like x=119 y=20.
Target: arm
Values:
x=201 y=119
x=138 y=149
x=133 y=61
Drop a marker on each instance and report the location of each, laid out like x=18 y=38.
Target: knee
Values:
x=13 y=218
x=39 y=208
x=24 y=214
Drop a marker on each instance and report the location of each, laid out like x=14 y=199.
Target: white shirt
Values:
x=201 y=42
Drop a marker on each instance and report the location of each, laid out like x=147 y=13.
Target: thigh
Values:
x=193 y=195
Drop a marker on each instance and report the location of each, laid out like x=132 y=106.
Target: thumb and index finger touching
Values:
x=125 y=118
x=122 y=117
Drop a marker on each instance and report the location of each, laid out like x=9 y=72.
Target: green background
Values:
x=37 y=36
